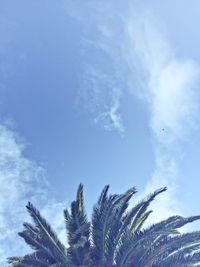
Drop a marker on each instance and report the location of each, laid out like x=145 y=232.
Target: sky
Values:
x=97 y=92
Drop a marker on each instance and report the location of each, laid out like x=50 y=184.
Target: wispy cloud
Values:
x=170 y=86
x=102 y=96
x=21 y=180
x=170 y=90
x=111 y=119
x=100 y=88
x=142 y=61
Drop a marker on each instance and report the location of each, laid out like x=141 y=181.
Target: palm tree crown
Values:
x=115 y=236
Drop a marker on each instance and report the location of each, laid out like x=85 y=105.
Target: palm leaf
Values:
x=132 y=223
x=42 y=237
x=14 y=260
x=78 y=229
x=116 y=224
x=106 y=221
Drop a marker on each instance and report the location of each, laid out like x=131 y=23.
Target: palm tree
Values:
x=115 y=236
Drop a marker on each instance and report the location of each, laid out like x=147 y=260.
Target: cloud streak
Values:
x=142 y=62
x=101 y=83
x=170 y=90
x=102 y=98
x=21 y=180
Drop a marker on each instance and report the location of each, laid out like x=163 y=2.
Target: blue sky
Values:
x=98 y=92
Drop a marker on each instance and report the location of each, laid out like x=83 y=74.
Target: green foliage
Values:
x=78 y=231
x=115 y=236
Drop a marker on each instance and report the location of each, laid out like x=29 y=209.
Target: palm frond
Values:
x=132 y=224
x=36 y=259
x=156 y=241
x=143 y=207
x=180 y=260
x=78 y=230
x=42 y=237
x=37 y=243
x=176 y=246
x=118 y=212
x=14 y=260
x=106 y=221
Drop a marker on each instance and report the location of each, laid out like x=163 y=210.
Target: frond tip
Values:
x=14 y=260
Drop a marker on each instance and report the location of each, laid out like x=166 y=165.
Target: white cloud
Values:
x=169 y=88
x=170 y=84
x=21 y=180
x=141 y=59
x=111 y=119
x=100 y=88
x=102 y=96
